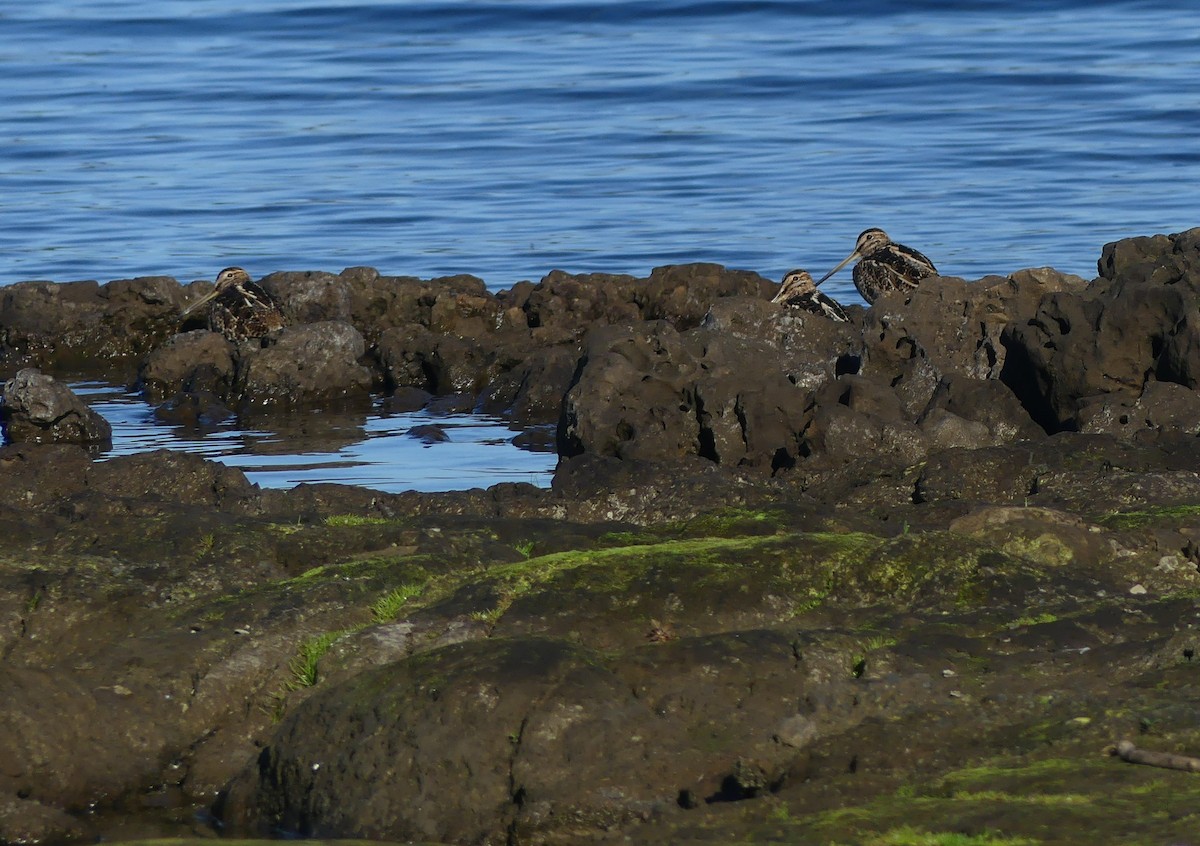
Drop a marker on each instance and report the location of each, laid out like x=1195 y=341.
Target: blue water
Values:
x=375 y=449
x=507 y=138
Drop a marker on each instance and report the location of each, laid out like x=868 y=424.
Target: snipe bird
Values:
x=883 y=265
x=240 y=308
x=799 y=291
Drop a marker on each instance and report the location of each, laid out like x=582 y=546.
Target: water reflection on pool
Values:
x=371 y=447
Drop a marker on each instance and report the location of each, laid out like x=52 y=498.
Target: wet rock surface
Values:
x=36 y=408
x=924 y=565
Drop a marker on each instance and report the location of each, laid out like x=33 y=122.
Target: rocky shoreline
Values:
x=794 y=580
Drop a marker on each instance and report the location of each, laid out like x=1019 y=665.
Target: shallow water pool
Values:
x=373 y=448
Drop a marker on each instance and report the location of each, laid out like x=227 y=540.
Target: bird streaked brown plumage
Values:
x=799 y=291
x=241 y=308
x=883 y=265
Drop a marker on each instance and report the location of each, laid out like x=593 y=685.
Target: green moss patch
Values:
x=1055 y=802
x=1125 y=520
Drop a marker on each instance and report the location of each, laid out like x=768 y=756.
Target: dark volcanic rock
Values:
x=428 y=434
x=430 y=730
x=38 y=475
x=807 y=348
x=683 y=293
x=192 y=361
x=1139 y=321
x=562 y=306
x=170 y=476
x=310 y=296
x=1161 y=406
x=973 y=412
x=306 y=364
x=83 y=324
x=860 y=415
x=635 y=396
x=416 y=357
x=380 y=302
x=723 y=390
x=39 y=409
x=533 y=390
x=407 y=399
x=956 y=325
x=789 y=566
x=194 y=409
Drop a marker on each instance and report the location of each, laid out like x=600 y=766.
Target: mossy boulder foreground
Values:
x=900 y=581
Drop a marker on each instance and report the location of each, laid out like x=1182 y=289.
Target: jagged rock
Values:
x=955 y=324
x=987 y=408
x=466 y=314
x=562 y=306
x=747 y=420
x=1140 y=321
x=381 y=302
x=808 y=348
x=39 y=409
x=683 y=293
x=635 y=397
x=721 y=391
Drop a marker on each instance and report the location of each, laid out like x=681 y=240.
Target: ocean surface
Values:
x=508 y=138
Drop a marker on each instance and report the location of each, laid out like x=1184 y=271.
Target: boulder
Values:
x=956 y=325
x=39 y=409
x=1139 y=321
x=191 y=361
x=410 y=749
x=308 y=363
x=683 y=293
x=634 y=396
x=562 y=306
x=735 y=390
x=808 y=348
x=380 y=302
x=310 y=296
x=414 y=356
x=533 y=390
x=854 y=416
x=986 y=407
x=170 y=476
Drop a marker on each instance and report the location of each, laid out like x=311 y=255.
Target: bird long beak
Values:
x=841 y=264
x=210 y=295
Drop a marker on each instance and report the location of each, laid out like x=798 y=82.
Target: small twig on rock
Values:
x=1126 y=751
